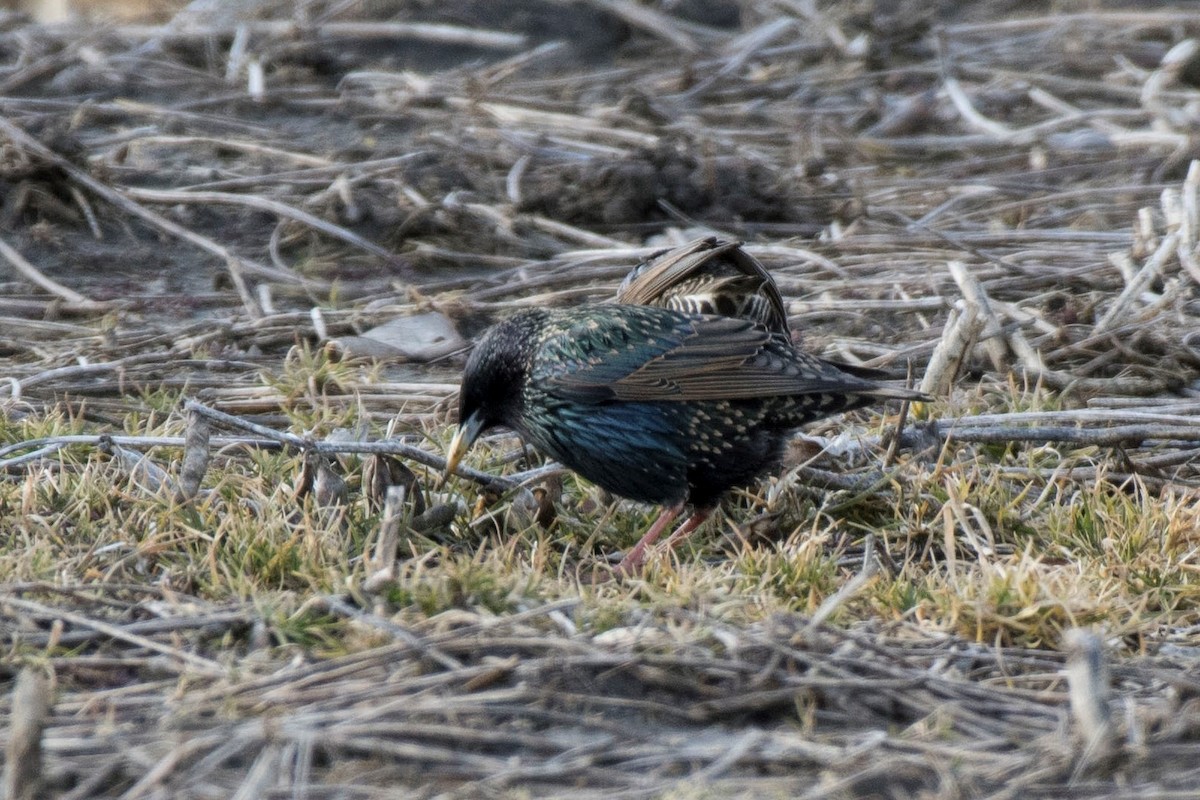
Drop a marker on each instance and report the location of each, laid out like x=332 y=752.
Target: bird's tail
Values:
x=896 y=393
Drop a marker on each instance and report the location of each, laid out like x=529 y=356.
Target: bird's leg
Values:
x=683 y=531
x=633 y=559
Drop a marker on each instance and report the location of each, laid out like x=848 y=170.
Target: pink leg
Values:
x=683 y=531
x=634 y=558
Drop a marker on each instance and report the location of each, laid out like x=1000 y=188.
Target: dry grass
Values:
x=199 y=552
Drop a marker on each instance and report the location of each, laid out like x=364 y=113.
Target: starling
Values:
x=708 y=276
x=655 y=405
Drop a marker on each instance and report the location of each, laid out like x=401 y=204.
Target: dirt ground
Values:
x=186 y=206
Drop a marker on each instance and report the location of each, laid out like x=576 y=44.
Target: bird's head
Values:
x=491 y=385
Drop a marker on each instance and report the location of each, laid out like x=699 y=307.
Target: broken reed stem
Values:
x=23 y=774
x=382 y=565
x=1089 y=683
x=963 y=328
x=1150 y=271
x=990 y=336
x=870 y=566
x=196 y=455
x=432 y=33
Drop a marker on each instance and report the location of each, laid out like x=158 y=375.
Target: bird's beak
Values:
x=468 y=430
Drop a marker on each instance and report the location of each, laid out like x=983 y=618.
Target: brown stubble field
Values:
x=228 y=567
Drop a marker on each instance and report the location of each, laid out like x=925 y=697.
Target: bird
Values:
x=709 y=275
x=652 y=404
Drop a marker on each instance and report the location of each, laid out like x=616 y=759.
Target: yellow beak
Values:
x=468 y=430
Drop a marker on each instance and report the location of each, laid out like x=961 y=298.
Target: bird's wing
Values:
x=647 y=284
x=647 y=354
x=666 y=273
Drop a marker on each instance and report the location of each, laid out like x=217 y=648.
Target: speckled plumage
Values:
x=708 y=276
x=653 y=404
x=718 y=277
